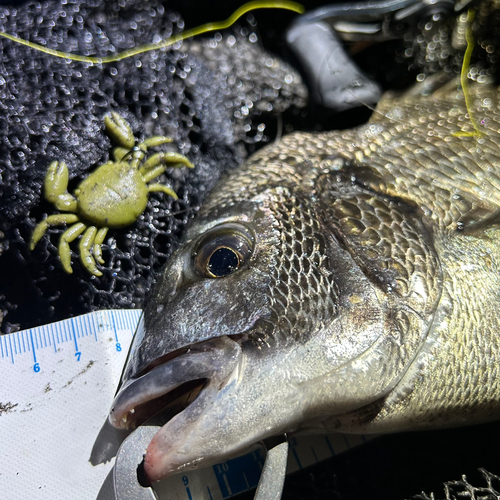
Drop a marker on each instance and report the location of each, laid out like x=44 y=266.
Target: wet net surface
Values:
x=219 y=96
x=207 y=94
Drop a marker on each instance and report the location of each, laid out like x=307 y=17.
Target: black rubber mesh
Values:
x=210 y=94
x=206 y=94
x=462 y=489
x=439 y=46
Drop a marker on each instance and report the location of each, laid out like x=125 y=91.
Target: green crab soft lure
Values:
x=113 y=196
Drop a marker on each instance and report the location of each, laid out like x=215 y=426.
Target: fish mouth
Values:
x=190 y=370
x=198 y=372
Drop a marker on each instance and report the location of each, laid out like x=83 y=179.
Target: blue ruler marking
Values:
x=88 y=326
x=125 y=321
x=11 y=350
x=239 y=474
x=56 y=328
x=246 y=480
x=73 y=330
x=92 y=328
x=294 y=451
x=53 y=337
x=74 y=333
x=209 y=493
x=128 y=322
x=330 y=447
x=97 y=327
x=346 y=442
x=117 y=323
x=114 y=327
x=33 y=345
x=81 y=327
x=81 y=331
x=132 y=323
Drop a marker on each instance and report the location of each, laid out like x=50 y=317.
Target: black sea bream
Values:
x=338 y=281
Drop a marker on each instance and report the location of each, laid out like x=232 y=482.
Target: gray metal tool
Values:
x=127 y=470
x=316 y=37
x=127 y=465
x=272 y=479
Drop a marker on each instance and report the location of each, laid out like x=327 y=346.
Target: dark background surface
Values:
x=400 y=466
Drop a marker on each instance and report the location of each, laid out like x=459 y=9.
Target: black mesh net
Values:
x=207 y=94
x=462 y=489
x=438 y=45
x=218 y=96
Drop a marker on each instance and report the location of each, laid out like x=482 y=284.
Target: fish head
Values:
x=264 y=307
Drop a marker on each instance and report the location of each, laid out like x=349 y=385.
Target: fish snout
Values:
x=140 y=398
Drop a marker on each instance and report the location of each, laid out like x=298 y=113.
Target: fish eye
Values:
x=223 y=250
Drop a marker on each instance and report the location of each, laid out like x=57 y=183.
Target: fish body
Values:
x=344 y=280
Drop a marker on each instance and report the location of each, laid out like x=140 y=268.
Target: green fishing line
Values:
x=205 y=28
x=464 y=77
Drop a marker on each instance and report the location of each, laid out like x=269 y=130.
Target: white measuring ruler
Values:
x=57 y=385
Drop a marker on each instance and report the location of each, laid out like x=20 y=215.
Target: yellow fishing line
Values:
x=205 y=28
x=464 y=79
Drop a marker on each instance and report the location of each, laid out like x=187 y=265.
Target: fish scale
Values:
x=410 y=148
x=365 y=293
x=301 y=242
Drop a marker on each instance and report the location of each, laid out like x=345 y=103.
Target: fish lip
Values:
x=165 y=454
x=211 y=360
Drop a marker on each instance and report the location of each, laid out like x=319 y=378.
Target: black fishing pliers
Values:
x=316 y=39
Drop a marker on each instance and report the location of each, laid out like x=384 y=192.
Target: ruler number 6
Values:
x=36 y=367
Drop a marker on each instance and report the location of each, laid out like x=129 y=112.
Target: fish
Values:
x=338 y=281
